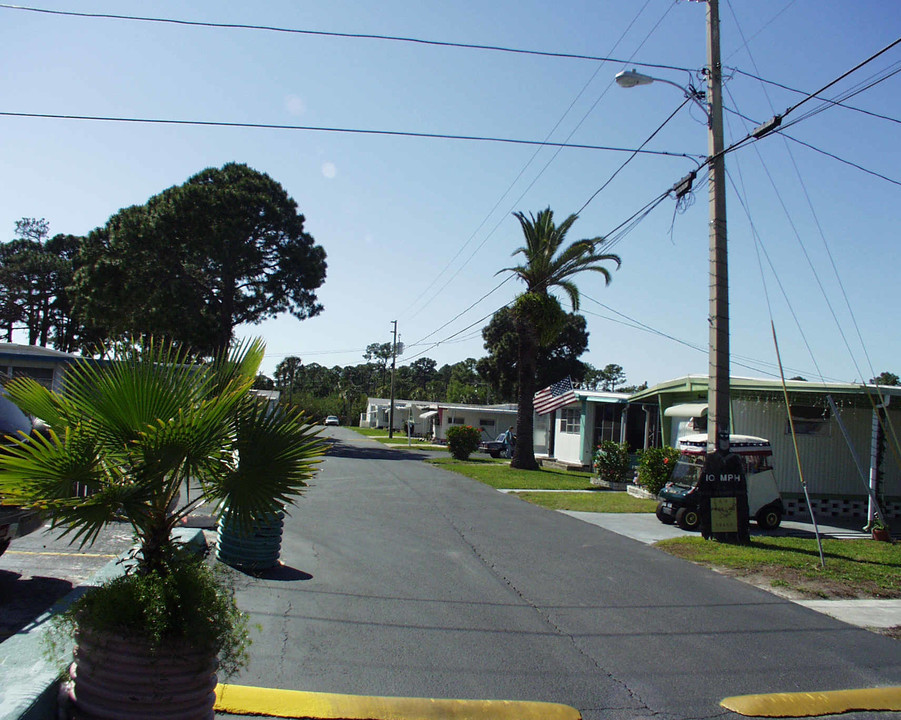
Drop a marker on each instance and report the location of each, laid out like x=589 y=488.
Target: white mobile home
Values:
x=840 y=429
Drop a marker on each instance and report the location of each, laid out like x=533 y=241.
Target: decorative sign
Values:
x=723 y=515
x=723 y=499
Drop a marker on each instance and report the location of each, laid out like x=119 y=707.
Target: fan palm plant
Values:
x=146 y=439
x=547 y=265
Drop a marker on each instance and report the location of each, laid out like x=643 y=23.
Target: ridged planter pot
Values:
x=114 y=677
x=254 y=548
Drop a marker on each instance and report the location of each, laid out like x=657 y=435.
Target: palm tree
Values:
x=539 y=316
x=127 y=437
x=125 y=441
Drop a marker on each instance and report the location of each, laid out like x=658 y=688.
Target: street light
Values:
x=718 y=420
x=632 y=78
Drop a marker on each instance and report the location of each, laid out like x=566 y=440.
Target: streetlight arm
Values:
x=632 y=78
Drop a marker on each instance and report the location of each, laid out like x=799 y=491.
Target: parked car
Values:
x=332 y=420
x=495 y=448
x=678 y=500
x=14 y=521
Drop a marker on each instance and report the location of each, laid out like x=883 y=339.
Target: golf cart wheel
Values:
x=495 y=454
x=768 y=518
x=688 y=518
x=662 y=516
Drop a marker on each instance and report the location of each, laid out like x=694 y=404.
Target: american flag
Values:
x=554 y=396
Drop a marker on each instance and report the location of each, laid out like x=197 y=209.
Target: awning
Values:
x=688 y=410
x=428 y=414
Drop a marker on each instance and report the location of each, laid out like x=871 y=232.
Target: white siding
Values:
x=826 y=461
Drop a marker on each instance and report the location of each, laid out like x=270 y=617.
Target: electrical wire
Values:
x=353 y=131
x=532 y=159
x=886 y=74
x=817 y=149
x=751 y=136
x=459 y=332
x=746 y=41
x=841 y=77
x=632 y=156
x=323 y=33
x=803 y=92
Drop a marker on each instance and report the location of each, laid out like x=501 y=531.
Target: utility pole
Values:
x=723 y=488
x=393 y=366
x=718 y=424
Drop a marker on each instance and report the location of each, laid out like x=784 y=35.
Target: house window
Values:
x=486 y=423
x=43 y=375
x=570 y=421
x=455 y=421
x=809 y=420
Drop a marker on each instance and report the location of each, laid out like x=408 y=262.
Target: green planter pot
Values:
x=254 y=548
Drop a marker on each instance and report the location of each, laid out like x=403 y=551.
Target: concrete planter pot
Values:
x=255 y=548
x=607 y=485
x=118 y=677
x=639 y=492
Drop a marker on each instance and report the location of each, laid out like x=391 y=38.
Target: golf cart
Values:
x=678 y=500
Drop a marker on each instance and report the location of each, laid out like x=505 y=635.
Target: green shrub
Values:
x=611 y=461
x=185 y=600
x=655 y=467
x=463 y=440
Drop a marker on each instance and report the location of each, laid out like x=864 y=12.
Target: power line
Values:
x=352 y=131
x=841 y=77
x=463 y=312
x=632 y=156
x=816 y=149
x=529 y=162
x=803 y=92
x=777 y=119
x=885 y=75
x=323 y=33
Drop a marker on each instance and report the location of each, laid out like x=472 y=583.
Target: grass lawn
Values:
x=499 y=474
x=854 y=568
x=382 y=436
x=601 y=501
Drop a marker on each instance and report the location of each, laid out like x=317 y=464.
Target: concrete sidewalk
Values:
x=646 y=528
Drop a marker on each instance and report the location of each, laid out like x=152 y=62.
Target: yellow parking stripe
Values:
x=60 y=554
x=243 y=700
x=832 y=702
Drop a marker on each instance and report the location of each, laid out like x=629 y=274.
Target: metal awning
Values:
x=687 y=410
x=428 y=414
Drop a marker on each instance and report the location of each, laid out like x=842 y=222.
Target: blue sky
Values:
x=416 y=229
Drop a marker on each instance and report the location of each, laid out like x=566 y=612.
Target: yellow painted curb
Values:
x=830 y=702
x=243 y=700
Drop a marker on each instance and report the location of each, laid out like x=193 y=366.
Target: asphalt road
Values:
x=41 y=568
x=402 y=579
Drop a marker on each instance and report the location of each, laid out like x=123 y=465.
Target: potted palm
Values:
x=124 y=441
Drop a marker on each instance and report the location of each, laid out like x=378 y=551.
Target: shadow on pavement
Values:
x=376 y=452
x=283 y=573
x=23 y=601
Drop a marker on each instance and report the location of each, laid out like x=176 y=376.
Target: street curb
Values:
x=244 y=700
x=28 y=681
x=810 y=704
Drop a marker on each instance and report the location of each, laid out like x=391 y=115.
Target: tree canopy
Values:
x=226 y=247
x=554 y=361
x=547 y=264
x=34 y=276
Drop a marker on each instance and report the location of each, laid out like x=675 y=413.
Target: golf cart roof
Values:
x=741 y=444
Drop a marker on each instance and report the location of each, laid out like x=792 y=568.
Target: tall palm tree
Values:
x=547 y=264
